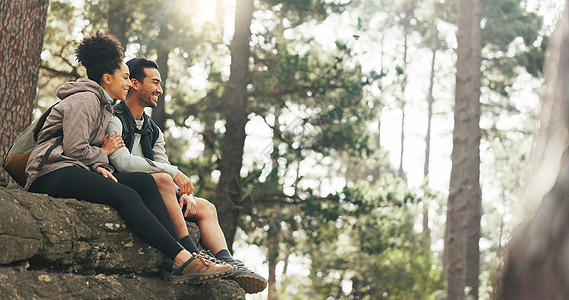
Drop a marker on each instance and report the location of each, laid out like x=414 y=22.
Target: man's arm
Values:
x=124 y=161
x=180 y=179
x=159 y=149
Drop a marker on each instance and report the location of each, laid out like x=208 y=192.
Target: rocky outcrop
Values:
x=64 y=248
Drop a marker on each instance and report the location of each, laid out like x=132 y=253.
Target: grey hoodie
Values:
x=79 y=116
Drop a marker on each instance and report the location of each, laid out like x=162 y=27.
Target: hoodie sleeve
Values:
x=78 y=122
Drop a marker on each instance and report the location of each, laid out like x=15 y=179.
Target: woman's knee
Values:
x=124 y=197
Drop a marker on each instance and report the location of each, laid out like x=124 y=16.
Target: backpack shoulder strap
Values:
x=155 y=132
x=119 y=113
x=41 y=121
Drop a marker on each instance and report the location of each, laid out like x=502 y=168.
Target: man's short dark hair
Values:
x=137 y=65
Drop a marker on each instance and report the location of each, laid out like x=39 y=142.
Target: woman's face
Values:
x=118 y=83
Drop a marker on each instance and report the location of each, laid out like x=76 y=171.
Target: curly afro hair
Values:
x=100 y=54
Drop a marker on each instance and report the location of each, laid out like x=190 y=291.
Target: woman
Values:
x=73 y=154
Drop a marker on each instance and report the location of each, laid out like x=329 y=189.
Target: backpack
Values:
x=17 y=157
x=129 y=127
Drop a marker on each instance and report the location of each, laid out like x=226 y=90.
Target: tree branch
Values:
x=55 y=72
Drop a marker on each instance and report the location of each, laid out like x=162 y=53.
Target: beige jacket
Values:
x=79 y=116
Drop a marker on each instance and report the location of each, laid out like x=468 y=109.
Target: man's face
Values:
x=150 y=88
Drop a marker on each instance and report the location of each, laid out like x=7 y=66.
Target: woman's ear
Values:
x=107 y=78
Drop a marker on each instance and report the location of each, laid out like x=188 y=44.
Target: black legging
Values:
x=135 y=197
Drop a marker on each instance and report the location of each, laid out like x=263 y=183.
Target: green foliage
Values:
x=372 y=245
x=506 y=21
x=299 y=11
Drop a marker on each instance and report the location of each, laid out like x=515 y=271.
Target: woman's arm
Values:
x=79 y=119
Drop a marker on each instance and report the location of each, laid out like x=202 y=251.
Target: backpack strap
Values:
x=155 y=132
x=59 y=135
x=41 y=121
x=148 y=133
x=48 y=152
x=37 y=130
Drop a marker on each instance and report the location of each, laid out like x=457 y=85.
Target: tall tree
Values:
x=163 y=50
x=407 y=16
x=430 y=100
x=228 y=191
x=539 y=269
x=120 y=19
x=22 y=25
x=464 y=204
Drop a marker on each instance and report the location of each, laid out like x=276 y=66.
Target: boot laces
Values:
x=203 y=258
x=212 y=257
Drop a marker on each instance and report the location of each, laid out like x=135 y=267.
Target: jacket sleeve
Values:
x=124 y=161
x=78 y=122
x=160 y=149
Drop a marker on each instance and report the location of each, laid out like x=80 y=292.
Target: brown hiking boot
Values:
x=199 y=269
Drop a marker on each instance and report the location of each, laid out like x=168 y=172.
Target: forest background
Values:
x=323 y=129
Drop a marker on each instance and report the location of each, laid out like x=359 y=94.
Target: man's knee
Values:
x=207 y=208
x=163 y=180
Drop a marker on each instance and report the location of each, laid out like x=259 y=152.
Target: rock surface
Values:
x=65 y=248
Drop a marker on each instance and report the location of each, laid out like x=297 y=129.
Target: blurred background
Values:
x=334 y=120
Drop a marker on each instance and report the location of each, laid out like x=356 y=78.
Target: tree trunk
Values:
x=228 y=191
x=537 y=265
x=159 y=112
x=403 y=86
x=434 y=47
x=22 y=25
x=119 y=20
x=464 y=204
x=273 y=253
x=401 y=173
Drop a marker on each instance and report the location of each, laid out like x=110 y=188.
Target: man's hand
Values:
x=184 y=183
x=189 y=201
x=106 y=173
x=112 y=143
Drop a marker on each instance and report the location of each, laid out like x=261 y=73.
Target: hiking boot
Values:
x=248 y=280
x=199 y=269
x=214 y=259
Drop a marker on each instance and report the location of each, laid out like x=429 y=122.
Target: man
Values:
x=144 y=151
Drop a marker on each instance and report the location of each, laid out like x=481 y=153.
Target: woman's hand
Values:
x=112 y=143
x=189 y=201
x=184 y=183
x=106 y=173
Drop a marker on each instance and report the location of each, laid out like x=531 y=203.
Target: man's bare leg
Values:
x=168 y=193
x=213 y=238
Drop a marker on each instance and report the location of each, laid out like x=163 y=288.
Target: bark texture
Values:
x=228 y=191
x=120 y=18
x=537 y=265
x=54 y=248
x=22 y=25
x=464 y=204
x=159 y=112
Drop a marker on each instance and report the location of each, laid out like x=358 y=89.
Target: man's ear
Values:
x=135 y=84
